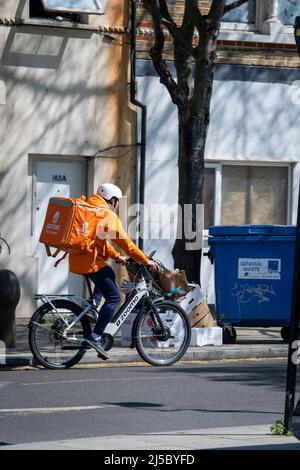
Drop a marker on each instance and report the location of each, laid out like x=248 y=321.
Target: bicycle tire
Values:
x=52 y=355
x=164 y=352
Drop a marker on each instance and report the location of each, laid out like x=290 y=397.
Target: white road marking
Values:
x=3 y=384
x=52 y=409
x=120 y=379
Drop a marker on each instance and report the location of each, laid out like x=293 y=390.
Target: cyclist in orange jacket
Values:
x=93 y=263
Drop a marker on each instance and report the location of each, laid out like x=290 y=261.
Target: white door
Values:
x=61 y=179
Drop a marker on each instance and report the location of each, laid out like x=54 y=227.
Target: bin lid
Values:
x=248 y=230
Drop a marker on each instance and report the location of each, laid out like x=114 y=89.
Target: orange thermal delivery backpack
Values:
x=70 y=225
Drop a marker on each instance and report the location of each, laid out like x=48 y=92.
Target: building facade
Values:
x=66 y=123
x=252 y=158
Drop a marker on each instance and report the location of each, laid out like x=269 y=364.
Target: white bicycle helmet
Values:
x=108 y=190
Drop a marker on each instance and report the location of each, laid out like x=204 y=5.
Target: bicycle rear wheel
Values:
x=163 y=348
x=47 y=342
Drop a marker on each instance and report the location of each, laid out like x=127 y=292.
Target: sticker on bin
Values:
x=259 y=268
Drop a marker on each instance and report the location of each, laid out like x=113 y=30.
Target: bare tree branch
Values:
x=187 y=16
x=217 y=9
x=178 y=35
x=188 y=26
x=234 y=5
x=197 y=16
x=170 y=24
x=165 y=11
x=156 y=53
x=184 y=51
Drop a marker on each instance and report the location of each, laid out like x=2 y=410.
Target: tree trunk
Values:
x=192 y=95
x=192 y=139
x=191 y=169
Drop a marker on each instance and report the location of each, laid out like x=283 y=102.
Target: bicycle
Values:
x=4 y=246
x=160 y=333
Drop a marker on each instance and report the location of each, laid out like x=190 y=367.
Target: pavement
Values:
x=251 y=343
x=229 y=438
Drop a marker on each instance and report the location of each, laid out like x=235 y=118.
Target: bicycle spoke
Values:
x=51 y=333
x=163 y=346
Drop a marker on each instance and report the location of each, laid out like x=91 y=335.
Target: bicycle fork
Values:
x=158 y=325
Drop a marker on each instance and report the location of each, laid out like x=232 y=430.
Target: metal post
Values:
x=9 y=299
x=297 y=33
x=294 y=332
x=295 y=312
x=143 y=107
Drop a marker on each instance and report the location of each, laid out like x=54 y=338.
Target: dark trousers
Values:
x=105 y=285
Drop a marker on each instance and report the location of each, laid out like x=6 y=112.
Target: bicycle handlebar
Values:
x=130 y=260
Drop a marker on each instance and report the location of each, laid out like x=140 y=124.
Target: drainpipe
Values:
x=143 y=107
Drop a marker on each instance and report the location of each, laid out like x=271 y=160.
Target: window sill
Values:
x=241 y=27
x=52 y=23
x=236 y=32
x=49 y=23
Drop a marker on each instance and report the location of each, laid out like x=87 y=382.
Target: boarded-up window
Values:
x=254 y=195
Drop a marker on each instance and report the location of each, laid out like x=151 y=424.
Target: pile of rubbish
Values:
x=189 y=296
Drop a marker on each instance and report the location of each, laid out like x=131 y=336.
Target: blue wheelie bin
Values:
x=253 y=267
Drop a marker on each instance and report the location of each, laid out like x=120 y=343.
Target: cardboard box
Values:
x=200 y=317
x=191 y=300
x=207 y=336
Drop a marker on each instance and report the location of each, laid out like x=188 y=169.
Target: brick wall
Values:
x=228 y=52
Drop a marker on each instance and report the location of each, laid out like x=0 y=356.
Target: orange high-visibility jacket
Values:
x=109 y=227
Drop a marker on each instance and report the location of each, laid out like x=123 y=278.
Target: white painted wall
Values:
x=250 y=121
x=161 y=160
x=59 y=98
x=50 y=99
x=253 y=121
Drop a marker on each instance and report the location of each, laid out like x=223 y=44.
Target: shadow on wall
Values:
x=54 y=93
x=29 y=122
x=20 y=9
x=45 y=50
x=25 y=48
x=253 y=113
x=239 y=94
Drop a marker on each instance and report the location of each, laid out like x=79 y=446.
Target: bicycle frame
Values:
x=120 y=315
x=125 y=310
x=46 y=298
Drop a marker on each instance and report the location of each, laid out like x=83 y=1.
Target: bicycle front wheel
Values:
x=50 y=344
x=163 y=346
